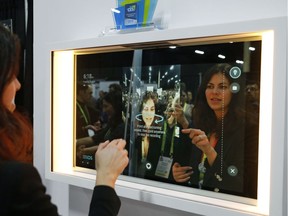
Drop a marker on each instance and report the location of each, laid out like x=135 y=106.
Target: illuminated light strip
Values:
x=63 y=80
x=265 y=127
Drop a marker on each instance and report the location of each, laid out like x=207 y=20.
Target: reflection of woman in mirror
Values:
x=226 y=156
x=112 y=106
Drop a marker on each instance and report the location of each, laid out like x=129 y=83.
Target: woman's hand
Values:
x=179 y=115
x=80 y=151
x=199 y=138
x=95 y=127
x=111 y=160
x=181 y=174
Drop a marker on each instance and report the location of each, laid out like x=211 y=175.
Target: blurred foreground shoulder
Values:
x=22 y=191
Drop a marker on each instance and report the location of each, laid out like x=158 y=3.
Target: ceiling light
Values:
x=172 y=47
x=199 y=52
x=221 y=56
x=239 y=62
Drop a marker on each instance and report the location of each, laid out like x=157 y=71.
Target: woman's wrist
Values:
x=105 y=179
x=211 y=155
x=183 y=122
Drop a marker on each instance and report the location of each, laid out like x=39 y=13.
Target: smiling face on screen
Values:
x=218 y=94
x=148 y=112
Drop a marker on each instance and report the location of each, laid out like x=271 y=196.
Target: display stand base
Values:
x=140 y=27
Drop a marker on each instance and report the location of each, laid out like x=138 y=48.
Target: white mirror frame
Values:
x=272 y=124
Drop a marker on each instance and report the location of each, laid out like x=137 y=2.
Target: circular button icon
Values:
x=148 y=166
x=234 y=87
x=235 y=72
x=232 y=170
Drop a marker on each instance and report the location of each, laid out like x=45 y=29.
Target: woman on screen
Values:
x=147 y=136
x=227 y=156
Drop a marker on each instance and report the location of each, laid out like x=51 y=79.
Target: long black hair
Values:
x=204 y=117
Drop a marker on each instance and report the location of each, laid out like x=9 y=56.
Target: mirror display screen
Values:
x=189 y=113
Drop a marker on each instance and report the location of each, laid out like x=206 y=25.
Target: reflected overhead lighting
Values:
x=115 y=10
x=166 y=73
x=150 y=68
x=221 y=56
x=172 y=47
x=199 y=52
x=252 y=48
x=239 y=62
x=172 y=67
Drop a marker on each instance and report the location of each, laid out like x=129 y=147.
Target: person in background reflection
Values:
x=190 y=97
x=115 y=129
x=85 y=115
x=115 y=87
x=22 y=191
x=253 y=100
x=187 y=108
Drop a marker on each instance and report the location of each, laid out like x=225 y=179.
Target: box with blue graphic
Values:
x=131 y=14
x=131 y=18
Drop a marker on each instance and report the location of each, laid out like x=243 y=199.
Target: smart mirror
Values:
x=188 y=110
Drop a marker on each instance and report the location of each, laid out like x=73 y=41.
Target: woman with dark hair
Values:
x=222 y=102
x=115 y=129
x=21 y=188
x=226 y=156
x=16 y=137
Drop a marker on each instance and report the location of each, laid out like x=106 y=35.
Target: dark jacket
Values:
x=182 y=149
x=22 y=193
x=235 y=168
